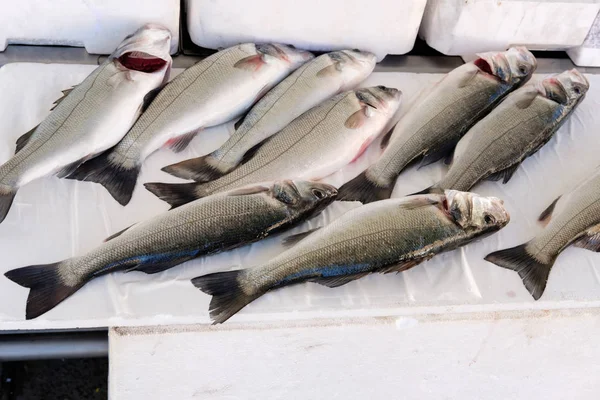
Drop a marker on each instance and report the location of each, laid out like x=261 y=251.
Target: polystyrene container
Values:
x=97 y=25
x=381 y=26
x=459 y=27
x=588 y=54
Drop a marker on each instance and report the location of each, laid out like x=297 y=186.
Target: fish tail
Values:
x=533 y=272
x=199 y=169
x=364 y=190
x=118 y=179
x=47 y=288
x=176 y=194
x=7 y=195
x=228 y=296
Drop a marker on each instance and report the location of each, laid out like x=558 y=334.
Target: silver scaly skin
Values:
x=217 y=223
x=93 y=116
x=315 y=145
x=216 y=90
x=387 y=236
x=312 y=83
x=440 y=117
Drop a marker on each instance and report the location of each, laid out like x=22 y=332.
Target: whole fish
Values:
x=440 y=117
x=313 y=146
x=93 y=116
x=388 y=236
x=216 y=90
x=495 y=147
x=574 y=219
x=208 y=226
x=314 y=82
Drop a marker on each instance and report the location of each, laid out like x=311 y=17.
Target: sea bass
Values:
x=440 y=117
x=93 y=116
x=387 y=236
x=217 y=223
x=216 y=90
x=495 y=147
x=574 y=219
x=314 y=82
x=315 y=145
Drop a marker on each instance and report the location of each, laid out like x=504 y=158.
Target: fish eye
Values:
x=488 y=219
x=357 y=50
x=318 y=194
x=381 y=87
x=522 y=69
x=577 y=90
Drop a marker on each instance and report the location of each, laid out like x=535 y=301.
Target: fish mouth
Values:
x=142 y=61
x=484 y=66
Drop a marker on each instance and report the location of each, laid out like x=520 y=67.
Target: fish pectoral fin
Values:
x=252 y=63
x=419 y=201
x=434 y=155
x=385 y=140
x=69 y=169
x=331 y=70
x=546 y=215
x=590 y=240
x=467 y=77
x=248 y=190
x=114 y=235
x=179 y=143
x=504 y=174
x=357 y=119
x=525 y=98
x=336 y=281
x=292 y=240
x=149 y=97
x=65 y=94
x=24 y=139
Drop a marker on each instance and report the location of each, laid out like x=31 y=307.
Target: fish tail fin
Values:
x=199 y=169
x=7 y=195
x=176 y=194
x=118 y=179
x=47 y=288
x=364 y=190
x=533 y=272
x=228 y=296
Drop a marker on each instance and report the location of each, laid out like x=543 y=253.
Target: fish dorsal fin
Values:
x=248 y=190
x=149 y=98
x=590 y=239
x=504 y=174
x=546 y=215
x=65 y=94
x=179 y=143
x=24 y=139
x=292 y=240
x=337 y=281
x=114 y=235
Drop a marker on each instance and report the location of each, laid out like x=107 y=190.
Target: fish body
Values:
x=388 y=236
x=313 y=146
x=93 y=116
x=440 y=117
x=312 y=83
x=208 y=226
x=495 y=147
x=216 y=90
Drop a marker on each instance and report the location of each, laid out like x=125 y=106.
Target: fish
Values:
x=207 y=226
x=440 y=117
x=386 y=236
x=522 y=124
x=315 y=145
x=92 y=116
x=311 y=84
x=573 y=219
x=216 y=90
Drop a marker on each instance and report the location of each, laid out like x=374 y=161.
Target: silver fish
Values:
x=440 y=117
x=216 y=90
x=387 y=236
x=215 y=224
x=572 y=219
x=313 y=146
x=309 y=85
x=93 y=116
x=495 y=147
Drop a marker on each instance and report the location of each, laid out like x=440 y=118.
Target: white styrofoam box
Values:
x=458 y=27
x=97 y=25
x=588 y=54
x=380 y=26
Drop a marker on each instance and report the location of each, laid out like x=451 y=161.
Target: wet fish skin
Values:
x=387 y=236
x=313 y=146
x=494 y=148
x=312 y=83
x=215 y=224
x=216 y=90
x=440 y=117
x=93 y=116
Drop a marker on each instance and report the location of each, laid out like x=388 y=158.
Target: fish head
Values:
x=567 y=88
x=290 y=56
x=146 y=50
x=474 y=212
x=305 y=199
x=353 y=66
x=514 y=66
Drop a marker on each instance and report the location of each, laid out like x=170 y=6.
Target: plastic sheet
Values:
x=53 y=219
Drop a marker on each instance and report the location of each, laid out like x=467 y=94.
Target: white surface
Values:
x=53 y=219
x=380 y=26
x=97 y=25
x=547 y=356
x=588 y=54
x=459 y=27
